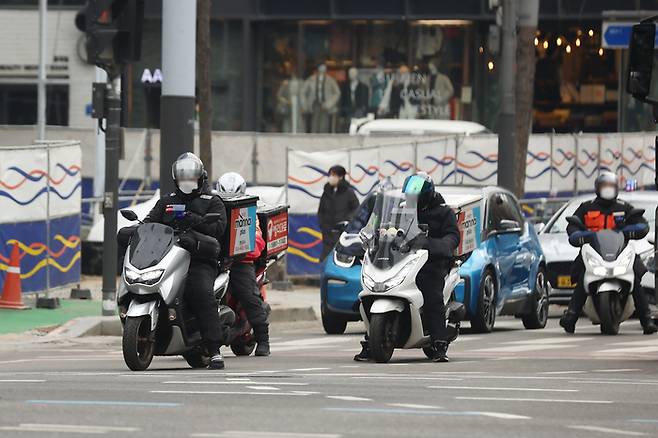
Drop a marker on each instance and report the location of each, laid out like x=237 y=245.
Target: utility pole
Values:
x=41 y=83
x=205 y=83
x=507 y=124
x=179 y=77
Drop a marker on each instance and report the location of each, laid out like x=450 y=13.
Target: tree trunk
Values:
x=204 y=83
x=525 y=84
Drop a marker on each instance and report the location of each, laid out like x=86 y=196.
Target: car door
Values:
x=523 y=259
x=502 y=244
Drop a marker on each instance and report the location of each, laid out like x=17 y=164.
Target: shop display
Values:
x=320 y=97
x=355 y=96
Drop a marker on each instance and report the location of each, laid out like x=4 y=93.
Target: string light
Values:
x=545 y=44
x=490 y=65
x=577 y=42
x=580 y=32
x=590 y=33
x=536 y=41
x=568 y=48
x=601 y=51
x=559 y=41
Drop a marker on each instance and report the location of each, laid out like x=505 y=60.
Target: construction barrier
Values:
x=559 y=165
x=40 y=216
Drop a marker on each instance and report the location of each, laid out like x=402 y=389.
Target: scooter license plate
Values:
x=564 y=282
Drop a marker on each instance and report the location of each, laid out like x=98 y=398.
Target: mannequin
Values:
x=288 y=105
x=378 y=83
x=400 y=99
x=320 y=97
x=441 y=91
x=355 y=96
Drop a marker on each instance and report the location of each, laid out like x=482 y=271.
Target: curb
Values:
x=111 y=325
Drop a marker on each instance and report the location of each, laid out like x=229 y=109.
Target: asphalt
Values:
x=511 y=383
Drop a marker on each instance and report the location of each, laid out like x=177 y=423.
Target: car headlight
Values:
x=343 y=260
x=649 y=260
x=147 y=278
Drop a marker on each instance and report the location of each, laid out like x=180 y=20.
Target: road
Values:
x=506 y=384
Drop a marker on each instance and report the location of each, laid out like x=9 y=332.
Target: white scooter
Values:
x=391 y=303
x=609 y=275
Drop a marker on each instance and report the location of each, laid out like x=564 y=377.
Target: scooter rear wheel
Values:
x=382 y=336
x=609 y=312
x=242 y=347
x=137 y=343
x=196 y=359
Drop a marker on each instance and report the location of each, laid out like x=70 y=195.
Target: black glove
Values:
x=192 y=219
x=187 y=241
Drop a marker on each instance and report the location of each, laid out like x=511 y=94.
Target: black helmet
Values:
x=607 y=178
x=420 y=185
x=188 y=173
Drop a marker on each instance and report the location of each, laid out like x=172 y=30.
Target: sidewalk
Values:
x=287 y=306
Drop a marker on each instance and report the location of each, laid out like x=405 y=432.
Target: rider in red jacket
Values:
x=242 y=279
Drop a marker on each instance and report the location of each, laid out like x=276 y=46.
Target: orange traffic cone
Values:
x=12 y=298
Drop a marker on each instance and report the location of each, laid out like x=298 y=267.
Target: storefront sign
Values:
x=617 y=35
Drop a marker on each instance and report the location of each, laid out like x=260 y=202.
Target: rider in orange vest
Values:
x=606 y=212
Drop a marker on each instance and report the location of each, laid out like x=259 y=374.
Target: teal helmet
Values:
x=420 y=185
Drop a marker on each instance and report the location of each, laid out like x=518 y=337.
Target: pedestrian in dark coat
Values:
x=338 y=204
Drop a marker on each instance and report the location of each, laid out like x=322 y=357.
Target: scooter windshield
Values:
x=150 y=243
x=609 y=244
x=394 y=229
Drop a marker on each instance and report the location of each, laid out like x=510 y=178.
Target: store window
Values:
x=18 y=104
x=576 y=81
x=319 y=75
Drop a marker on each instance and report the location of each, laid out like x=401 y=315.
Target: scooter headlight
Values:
x=148 y=278
x=368 y=282
x=392 y=282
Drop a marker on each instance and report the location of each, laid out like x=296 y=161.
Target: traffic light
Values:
x=114 y=32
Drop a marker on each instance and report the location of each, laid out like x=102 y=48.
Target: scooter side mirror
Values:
x=129 y=214
x=636 y=213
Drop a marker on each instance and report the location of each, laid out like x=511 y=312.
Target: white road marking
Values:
x=524 y=348
x=256 y=434
x=309 y=369
x=607 y=430
x=563 y=372
x=348 y=398
x=413 y=406
x=490 y=388
x=232 y=382
x=263 y=388
x=292 y=393
x=67 y=428
x=391 y=377
x=548 y=341
x=349 y=366
x=543 y=400
x=504 y=416
x=615 y=382
x=459 y=372
x=621 y=370
x=21 y=381
x=647 y=349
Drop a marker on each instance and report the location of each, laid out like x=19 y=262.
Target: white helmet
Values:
x=231 y=184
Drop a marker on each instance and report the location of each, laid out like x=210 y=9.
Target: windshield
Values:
x=609 y=244
x=393 y=227
x=559 y=225
x=150 y=243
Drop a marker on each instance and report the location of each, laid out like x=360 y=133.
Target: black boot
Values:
x=364 y=356
x=262 y=335
x=568 y=321
x=648 y=326
x=440 y=351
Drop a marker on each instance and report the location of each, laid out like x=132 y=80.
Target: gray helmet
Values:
x=606 y=178
x=188 y=168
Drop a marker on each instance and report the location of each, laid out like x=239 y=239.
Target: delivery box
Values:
x=274 y=225
x=469 y=221
x=240 y=235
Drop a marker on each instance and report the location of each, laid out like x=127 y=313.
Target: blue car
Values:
x=504 y=275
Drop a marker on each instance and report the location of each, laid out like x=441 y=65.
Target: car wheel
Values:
x=538 y=315
x=332 y=323
x=485 y=317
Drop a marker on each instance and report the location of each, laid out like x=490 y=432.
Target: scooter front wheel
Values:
x=609 y=312
x=382 y=336
x=138 y=345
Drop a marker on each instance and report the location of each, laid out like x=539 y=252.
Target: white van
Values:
x=401 y=127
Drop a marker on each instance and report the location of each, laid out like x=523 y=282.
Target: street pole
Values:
x=41 y=82
x=179 y=76
x=507 y=123
x=99 y=162
x=110 y=197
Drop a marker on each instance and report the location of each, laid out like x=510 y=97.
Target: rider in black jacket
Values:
x=184 y=208
x=442 y=241
x=605 y=212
